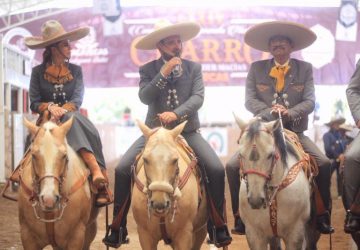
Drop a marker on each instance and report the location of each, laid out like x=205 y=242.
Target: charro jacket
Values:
x=353 y=93
x=299 y=92
x=183 y=95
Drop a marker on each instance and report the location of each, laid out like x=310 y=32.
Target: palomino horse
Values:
x=275 y=200
x=168 y=201
x=55 y=202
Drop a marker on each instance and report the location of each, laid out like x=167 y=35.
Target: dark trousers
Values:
x=324 y=177
x=352 y=174
x=322 y=180
x=335 y=167
x=207 y=158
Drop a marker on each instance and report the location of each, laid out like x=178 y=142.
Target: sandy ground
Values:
x=10 y=237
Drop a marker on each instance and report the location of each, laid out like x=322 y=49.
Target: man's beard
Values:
x=167 y=56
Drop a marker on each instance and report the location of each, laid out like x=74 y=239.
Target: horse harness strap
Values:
x=50 y=228
x=164 y=233
x=290 y=177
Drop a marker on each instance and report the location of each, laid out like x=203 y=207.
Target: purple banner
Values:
x=109 y=59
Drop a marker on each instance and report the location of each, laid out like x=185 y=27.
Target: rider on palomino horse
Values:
x=173 y=89
x=57 y=89
x=351 y=192
x=283 y=84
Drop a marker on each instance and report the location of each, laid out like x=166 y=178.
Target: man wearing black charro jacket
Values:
x=283 y=84
x=351 y=193
x=173 y=89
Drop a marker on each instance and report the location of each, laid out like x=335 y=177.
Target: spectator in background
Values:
x=335 y=145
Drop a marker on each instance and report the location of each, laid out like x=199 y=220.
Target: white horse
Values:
x=275 y=191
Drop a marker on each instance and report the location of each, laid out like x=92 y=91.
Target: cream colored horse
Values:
x=275 y=192
x=55 y=202
x=167 y=200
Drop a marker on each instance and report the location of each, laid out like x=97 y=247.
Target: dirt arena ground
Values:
x=10 y=237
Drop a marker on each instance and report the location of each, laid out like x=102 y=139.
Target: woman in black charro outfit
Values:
x=57 y=86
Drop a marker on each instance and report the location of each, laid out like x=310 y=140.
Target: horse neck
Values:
x=76 y=168
x=280 y=169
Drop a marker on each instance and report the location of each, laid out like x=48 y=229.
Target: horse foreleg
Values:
x=183 y=239
x=76 y=241
x=147 y=242
x=256 y=241
x=295 y=239
x=28 y=240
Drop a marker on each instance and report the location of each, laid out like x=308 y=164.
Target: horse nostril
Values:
x=167 y=204
x=57 y=198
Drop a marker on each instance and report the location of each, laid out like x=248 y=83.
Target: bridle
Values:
x=35 y=196
x=266 y=175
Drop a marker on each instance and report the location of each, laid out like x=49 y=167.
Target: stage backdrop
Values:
x=109 y=59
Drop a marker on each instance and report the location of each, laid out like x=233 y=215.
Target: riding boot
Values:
x=118 y=231
x=239 y=226
x=104 y=196
x=97 y=177
x=217 y=228
x=352 y=221
x=322 y=215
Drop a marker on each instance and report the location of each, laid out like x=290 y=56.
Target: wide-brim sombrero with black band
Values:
x=186 y=31
x=259 y=35
x=336 y=119
x=52 y=32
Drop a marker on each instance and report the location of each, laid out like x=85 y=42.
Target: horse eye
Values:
x=270 y=155
x=146 y=161
x=175 y=162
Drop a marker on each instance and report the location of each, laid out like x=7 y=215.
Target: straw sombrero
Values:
x=259 y=35
x=52 y=32
x=163 y=29
x=335 y=119
x=346 y=127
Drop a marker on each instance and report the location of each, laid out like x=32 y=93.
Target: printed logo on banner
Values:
x=217 y=138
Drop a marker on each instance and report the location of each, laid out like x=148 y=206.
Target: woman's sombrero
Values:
x=52 y=32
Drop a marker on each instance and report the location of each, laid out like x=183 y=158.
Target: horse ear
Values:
x=31 y=126
x=242 y=124
x=272 y=126
x=178 y=129
x=66 y=125
x=144 y=129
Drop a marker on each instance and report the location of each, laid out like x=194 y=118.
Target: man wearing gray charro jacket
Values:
x=351 y=194
x=173 y=89
x=283 y=84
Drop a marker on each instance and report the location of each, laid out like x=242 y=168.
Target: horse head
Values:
x=49 y=162
x=258 y=153
x=161 y=166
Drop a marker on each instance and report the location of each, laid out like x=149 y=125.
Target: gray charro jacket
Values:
x=353 y=93
x=43 y=91
x=299 y=86
x=154 y=92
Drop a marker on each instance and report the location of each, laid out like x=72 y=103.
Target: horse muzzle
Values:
x=257 y=202
x=49 y=202
x=160 y=197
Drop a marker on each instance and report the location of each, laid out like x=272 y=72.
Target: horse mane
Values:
x=284 y=148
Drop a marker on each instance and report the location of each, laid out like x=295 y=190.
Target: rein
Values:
x=49 y=216
x=178 y=186
x=272 y=191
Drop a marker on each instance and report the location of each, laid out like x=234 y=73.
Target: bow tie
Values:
x=279 y=72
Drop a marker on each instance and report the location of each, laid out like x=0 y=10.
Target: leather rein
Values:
x=33 y=193
x=269 y=189
x=178 y=185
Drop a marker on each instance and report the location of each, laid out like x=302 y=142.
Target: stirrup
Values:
x=215 y=239
x=119 y=242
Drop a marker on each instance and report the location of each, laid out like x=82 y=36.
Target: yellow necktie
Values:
x=279 y=72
